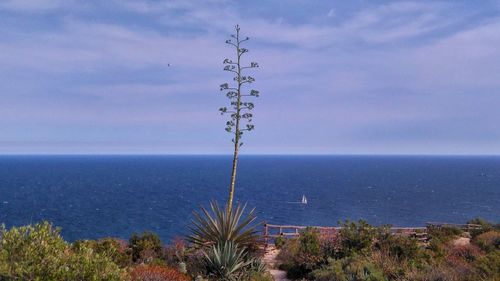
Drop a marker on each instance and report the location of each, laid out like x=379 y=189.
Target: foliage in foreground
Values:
x=38 y=252
x=363 y=252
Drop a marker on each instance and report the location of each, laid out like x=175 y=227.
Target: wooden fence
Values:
x=272 y=231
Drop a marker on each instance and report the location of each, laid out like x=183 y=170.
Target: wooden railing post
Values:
x=266 y=236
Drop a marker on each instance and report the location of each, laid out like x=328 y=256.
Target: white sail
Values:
x=304 y=199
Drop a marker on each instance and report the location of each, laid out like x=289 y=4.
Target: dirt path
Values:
x=270 y=260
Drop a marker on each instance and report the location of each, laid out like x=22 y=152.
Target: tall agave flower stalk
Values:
x=226 y=234
x=240 y=109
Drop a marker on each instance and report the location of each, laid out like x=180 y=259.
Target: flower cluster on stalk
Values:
x=237 y=92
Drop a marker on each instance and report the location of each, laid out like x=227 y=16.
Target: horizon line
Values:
x=254 y=154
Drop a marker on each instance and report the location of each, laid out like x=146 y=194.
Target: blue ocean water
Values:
x=100 y=196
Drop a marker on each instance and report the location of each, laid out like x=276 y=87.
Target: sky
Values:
x=335 y=77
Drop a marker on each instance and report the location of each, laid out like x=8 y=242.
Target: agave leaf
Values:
x=218 y=226
x=225 y=261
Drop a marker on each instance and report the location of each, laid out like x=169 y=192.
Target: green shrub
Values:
x=260 y=276
x=299 y=256
x=287 y=253
x=488 y=266
x=110 y=247
x=439 y=237
x=444 y=234
x=85 y=264
x=309 y=242
x=353 y=268
x=396 y=255
x=38 y=252
x=485 y=226
x=397 y=246
x=279 y=242
x=331 y=271
x=356 y=238
x=146 y=247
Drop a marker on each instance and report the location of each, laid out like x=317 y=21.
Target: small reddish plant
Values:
x=156 y=273
x=330 y=243
x=175 y=252
x=461 y=257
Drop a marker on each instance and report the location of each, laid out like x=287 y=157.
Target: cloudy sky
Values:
x=336 y=77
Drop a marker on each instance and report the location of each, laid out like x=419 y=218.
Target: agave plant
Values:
x=257 y=265
x=218 y=226
x=226 y=262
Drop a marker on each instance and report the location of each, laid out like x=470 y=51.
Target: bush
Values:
x=488 y=241
x=487 y=267
x=85 y=264
x=444 y=234
x=439 y=272
x=110 y=247
x=440 y=237
x=145 y=247
x=299 y=256
x=396 y=255
x=279 y=242
x=309 y=242
x=38 y=252
x=352 y=268
x=195 y=263
x=156 y=273
x=467 y=253
x=356 y=238
x=485 y=227
x=397 y=246
x=260 y=276
x=289 y=250
x=330 y=243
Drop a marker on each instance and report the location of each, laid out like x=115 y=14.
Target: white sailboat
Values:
x=304 y=199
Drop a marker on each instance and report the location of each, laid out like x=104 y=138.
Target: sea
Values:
x=93 y=197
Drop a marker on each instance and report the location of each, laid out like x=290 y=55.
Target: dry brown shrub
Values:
x=488 y=241
x=156 y=273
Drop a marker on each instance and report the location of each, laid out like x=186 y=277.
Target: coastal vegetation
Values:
x=360 y=251
x=38 y=252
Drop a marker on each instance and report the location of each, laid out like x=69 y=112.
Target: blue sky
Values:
x=336 y=77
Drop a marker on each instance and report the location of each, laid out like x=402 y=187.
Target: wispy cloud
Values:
x=38 y=6
x=392 y=73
